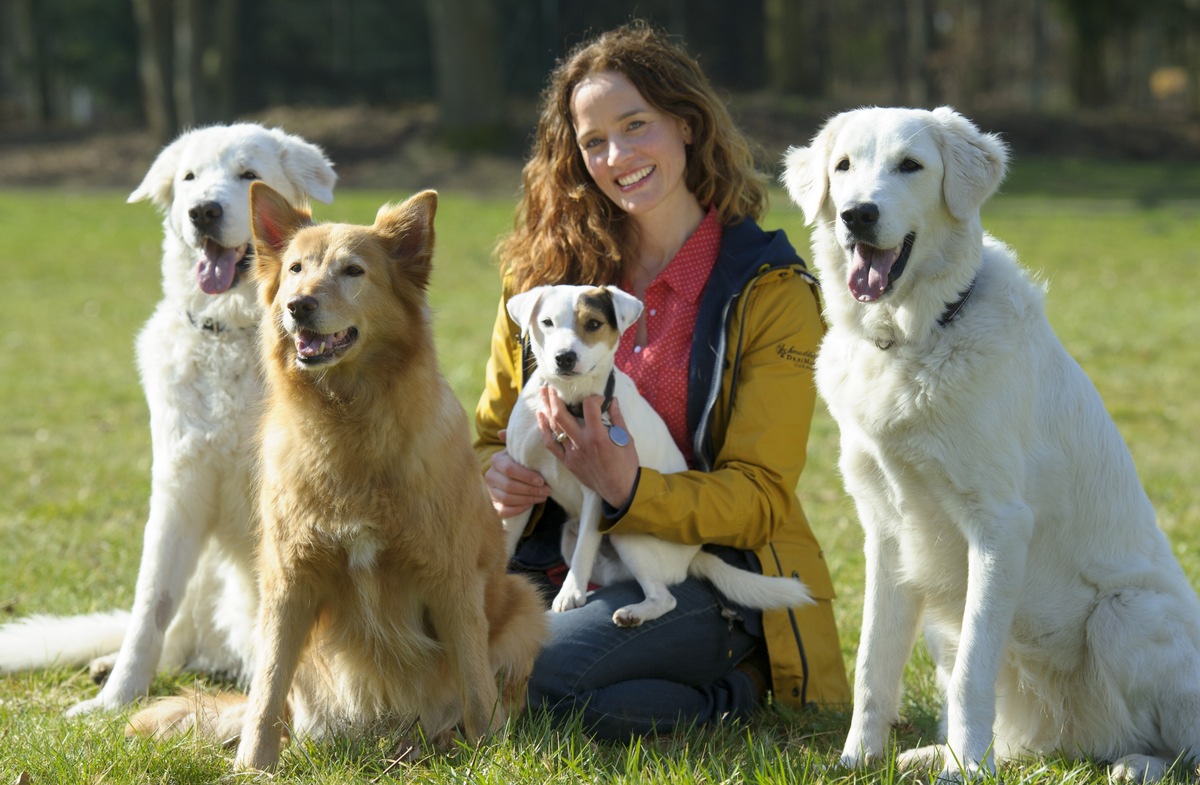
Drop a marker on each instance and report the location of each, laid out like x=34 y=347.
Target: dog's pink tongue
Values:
x=869 y=271
x=311 y=344
x=217 y=267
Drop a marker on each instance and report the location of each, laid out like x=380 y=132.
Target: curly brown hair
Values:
x=565 y=229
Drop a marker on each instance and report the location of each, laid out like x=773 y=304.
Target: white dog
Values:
x=999 y=503
x=195 y=601
x=573 y=333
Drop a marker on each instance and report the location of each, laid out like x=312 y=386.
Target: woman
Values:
x=639 y=178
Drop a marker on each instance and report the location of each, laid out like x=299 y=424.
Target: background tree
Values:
x=165 y=64
x=468 y=77
x=156 y=57
x=797 y=46
x=186 y=62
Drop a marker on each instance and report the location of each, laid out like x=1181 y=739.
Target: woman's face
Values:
x=636 y=154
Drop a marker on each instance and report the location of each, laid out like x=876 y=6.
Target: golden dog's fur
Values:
x=382 y=563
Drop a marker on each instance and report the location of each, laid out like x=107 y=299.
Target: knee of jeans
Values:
x=546 y=687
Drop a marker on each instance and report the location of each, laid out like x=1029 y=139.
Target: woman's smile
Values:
x=635 y=177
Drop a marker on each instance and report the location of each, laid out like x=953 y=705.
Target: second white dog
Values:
x=573 y=332
x=998 y=501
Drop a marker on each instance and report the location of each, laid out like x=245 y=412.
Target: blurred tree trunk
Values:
x=797 y=46
x=467 y=70
x=909 y=29
x=1039 y=56
x=205 y=38
x=24 y=81
x=1094 y=22
x=31 y=42
x=156 y=52
x=185 y=61
x=1192 y=60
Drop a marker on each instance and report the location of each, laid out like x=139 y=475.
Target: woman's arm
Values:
x=513 y=487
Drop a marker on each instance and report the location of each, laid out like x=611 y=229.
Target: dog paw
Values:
x=857 y=760
x=627 y=617
x=86 y=707
x=569 y=598
x=929 y=759
x=1138 y=768
x=99 y=668
x=939 y=758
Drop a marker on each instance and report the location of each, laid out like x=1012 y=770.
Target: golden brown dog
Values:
x=382 y=563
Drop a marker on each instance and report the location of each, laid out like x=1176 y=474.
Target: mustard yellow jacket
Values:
x=751 y=398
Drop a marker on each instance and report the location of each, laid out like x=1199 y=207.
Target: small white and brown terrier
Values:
x=573 y=332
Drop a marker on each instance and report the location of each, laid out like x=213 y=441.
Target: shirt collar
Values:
x=688 y=272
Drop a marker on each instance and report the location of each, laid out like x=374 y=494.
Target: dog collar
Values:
x=207 y=324
x=210 y=325
x=576 y=409
x=952 y=309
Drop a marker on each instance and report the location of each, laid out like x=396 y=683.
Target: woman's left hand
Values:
x=586 y=449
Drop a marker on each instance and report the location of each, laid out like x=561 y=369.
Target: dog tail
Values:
x=748 y=588
x=216 y=717
x=43 y=641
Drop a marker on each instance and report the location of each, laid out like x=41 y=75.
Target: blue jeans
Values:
x=673 y=672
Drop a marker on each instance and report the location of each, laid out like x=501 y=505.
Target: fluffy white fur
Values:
x=195 y=601
x=1000 y=505
x=550 y=317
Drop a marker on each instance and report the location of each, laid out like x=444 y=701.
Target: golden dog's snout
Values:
x=302 y=306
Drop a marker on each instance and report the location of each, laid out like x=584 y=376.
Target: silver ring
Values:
x=561 y=437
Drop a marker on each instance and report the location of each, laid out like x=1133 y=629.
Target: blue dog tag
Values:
x=619 y=435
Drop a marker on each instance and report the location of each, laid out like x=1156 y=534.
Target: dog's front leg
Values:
x=171 y=546
x=573 y=593
x=284 y=622
x=457 y=611
x=891 y=618
x=997 y=549
x=514 y=527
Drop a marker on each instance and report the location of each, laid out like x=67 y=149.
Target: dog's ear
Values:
x=522 y=307
x=806 y=171
x=275 y=219
x=306 y=166
x=627 y=307
x=975 y=163
x=275 y=222
x=407 y=230
x=159 y=183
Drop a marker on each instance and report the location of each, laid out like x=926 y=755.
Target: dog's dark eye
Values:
x=547 y=322
x=592 y=325
x=250 y=174
x=295 y=268
x=354 y=271
x=189 y=176
x=843 y=165
x=908 y=165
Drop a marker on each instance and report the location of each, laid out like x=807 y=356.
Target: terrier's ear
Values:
x=523 y=307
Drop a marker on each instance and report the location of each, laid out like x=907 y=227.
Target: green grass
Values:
x=1118 y=246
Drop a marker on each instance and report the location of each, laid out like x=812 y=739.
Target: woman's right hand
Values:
x=514 y=488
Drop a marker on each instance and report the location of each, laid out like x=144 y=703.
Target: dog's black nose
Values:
x=861 y=218
x=205 y=214
x=302 y=306
x=565 y=360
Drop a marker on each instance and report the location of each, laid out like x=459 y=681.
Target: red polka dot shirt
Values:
x=660 y=367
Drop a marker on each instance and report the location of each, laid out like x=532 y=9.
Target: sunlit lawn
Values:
x=1120 y=254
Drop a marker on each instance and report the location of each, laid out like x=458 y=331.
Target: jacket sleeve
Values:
x=501 y=386
x=761 y=441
